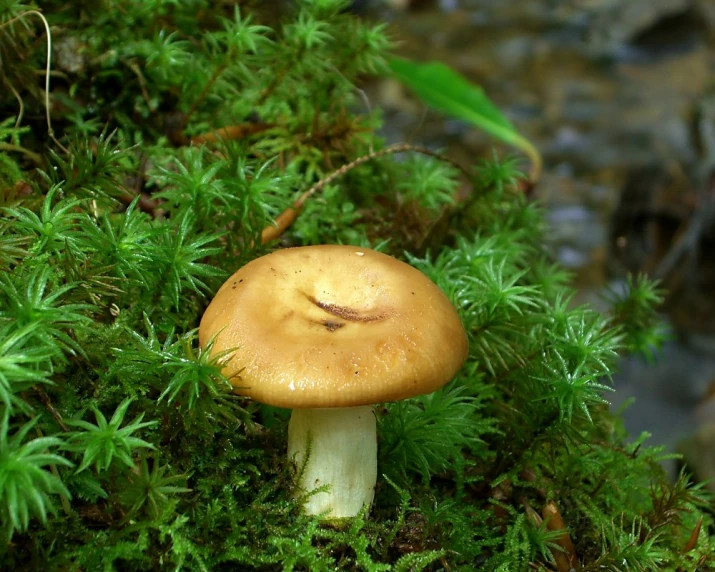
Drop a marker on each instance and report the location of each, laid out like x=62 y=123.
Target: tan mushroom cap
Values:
x=333 y=326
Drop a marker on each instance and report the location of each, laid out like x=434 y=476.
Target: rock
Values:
x=615 y=23
x=706 y=10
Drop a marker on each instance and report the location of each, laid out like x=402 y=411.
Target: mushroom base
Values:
x=343 y=454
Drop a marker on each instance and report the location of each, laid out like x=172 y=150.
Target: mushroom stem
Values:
x=341 y=445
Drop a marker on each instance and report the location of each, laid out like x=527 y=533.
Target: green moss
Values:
x=122 y=446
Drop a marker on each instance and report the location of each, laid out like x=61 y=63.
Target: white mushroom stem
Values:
x=343 y=454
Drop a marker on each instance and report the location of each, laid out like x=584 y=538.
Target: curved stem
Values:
x=534 y=157
x=9 y=147
x=37 y=13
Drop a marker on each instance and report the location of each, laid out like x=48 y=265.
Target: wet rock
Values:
x=666 y=394
x=615 y=23
x=706 y=10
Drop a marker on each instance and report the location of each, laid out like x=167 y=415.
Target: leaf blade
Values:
x=447 y=91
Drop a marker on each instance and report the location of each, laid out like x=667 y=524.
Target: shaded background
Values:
x=619 y=97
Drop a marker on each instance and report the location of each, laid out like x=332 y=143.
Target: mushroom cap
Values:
x=333 y=326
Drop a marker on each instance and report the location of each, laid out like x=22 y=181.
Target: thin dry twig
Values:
x=288 y=216
x=47 y=402
x=204 y=92
x=20 y=113
x=132 y=65
x=50 y=131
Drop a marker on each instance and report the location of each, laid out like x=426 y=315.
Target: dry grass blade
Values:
x=693 y=540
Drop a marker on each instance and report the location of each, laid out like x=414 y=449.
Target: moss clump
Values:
x=183 y=130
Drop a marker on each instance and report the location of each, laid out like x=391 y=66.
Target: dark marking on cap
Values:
x=332 y=326
x=347 y=313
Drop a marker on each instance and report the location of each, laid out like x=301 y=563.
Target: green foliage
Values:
x=52 y=229
x=445 y=90
x=432 y=183
x=22 y=363
x=10 y=170
x=187 y=129
x=105 y=441
x=25 y=484
x=427 y=434
x=633 y=310
x=34 y=302
x=177 y=261
x=90 y=168
x=150 y=490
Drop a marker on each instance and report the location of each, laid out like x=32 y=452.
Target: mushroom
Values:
x=328 y=331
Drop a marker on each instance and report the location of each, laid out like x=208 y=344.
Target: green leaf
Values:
x=445 y=90
x=22 y=364
x=102 y=442
x=417 y=560
x=150 y=489
x=25 y=486
x=35 y=301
